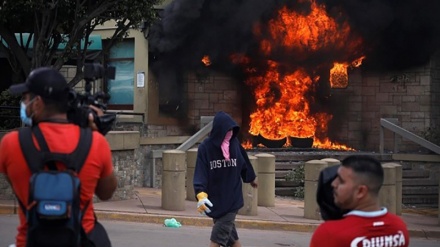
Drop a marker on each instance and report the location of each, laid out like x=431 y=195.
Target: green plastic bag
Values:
x=172 y=223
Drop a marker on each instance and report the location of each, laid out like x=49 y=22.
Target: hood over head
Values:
x=222 y=123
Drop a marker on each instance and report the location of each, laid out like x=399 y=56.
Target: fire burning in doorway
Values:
x=292 y=54
x=281 y=92
x=284 y=92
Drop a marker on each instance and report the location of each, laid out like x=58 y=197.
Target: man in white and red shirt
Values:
x=356 y=188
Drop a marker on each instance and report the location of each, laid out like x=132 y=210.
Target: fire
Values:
x=339 y=73
x=206 y=60
x=306 y=33
x=283 y=91
x=247 y=144
x=358 y=62
x=282 y=109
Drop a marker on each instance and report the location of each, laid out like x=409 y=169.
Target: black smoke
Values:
x=191 y=29
x=397 y=34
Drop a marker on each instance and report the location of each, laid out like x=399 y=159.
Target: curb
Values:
x=207 y=222
x=8 y=209
x=420 y=233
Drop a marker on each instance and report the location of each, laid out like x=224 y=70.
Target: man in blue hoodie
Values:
x=222 y=164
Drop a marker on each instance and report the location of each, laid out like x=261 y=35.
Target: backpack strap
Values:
x=34 y=158
x=79 y=156
x=30 y=152
x=43 y=146
x=74 y=160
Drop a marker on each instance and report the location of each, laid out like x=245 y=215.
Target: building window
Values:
x=121 y=88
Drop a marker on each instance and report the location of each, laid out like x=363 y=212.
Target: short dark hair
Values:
x=368 y=168
x=56 y=106
x=53 y=106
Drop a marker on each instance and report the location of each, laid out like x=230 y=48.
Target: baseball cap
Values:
x=46 y=82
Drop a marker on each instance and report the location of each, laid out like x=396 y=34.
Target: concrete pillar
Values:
x=399 y=191
x=173 y=180
x=312 y=169
x=266 y=179
x=332 y=161
x=191 y=157
x=398 y=168
x=387 y=194
x=250 y=194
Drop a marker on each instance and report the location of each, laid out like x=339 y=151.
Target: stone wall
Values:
x=209 y=92
x=128 y=165
x=434 y=115
x=149 y=168
x=410 y=96
x=127 y=171
x=5 y=189
x=420 y=183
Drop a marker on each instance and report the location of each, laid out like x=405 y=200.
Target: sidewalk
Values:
x=287 y=215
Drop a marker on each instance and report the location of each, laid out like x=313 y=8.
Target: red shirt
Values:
x=360 y=229
x=61 y=138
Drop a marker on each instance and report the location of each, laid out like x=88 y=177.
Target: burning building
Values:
x=319 y=70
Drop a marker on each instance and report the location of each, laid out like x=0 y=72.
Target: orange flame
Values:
x=247 y=144
x=206 y=60
x=282 y=109
x=283 y=100
x=358 y=62
x=339 y=73
x=307 y=33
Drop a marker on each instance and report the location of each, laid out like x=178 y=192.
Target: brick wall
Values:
x=212 y=92
x=435 y=92
x=205 y=93
x=410 y=96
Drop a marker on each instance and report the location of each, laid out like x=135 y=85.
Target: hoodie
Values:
x=220 y=178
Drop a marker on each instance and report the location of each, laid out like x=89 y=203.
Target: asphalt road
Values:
x=152 y=235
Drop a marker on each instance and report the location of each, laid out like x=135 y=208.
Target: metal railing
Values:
x=205 y=128
x=390 y=124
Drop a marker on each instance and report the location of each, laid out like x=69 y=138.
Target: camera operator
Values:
x=45 y=103
x=356 y=189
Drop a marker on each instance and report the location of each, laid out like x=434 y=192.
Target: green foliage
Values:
x=432 y=135
x=299 y=192
x=297 y=174
x=9 y=118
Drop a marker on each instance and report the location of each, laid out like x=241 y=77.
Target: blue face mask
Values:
x=24 y=117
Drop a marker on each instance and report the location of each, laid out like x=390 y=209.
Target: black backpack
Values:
x=324 y=195
x=53 y=214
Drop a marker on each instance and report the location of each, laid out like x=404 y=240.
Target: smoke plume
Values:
x=396 y=34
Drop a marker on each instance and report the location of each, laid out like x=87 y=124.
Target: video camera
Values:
x=79 y=109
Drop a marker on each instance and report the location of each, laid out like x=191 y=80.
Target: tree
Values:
x=49 y=23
